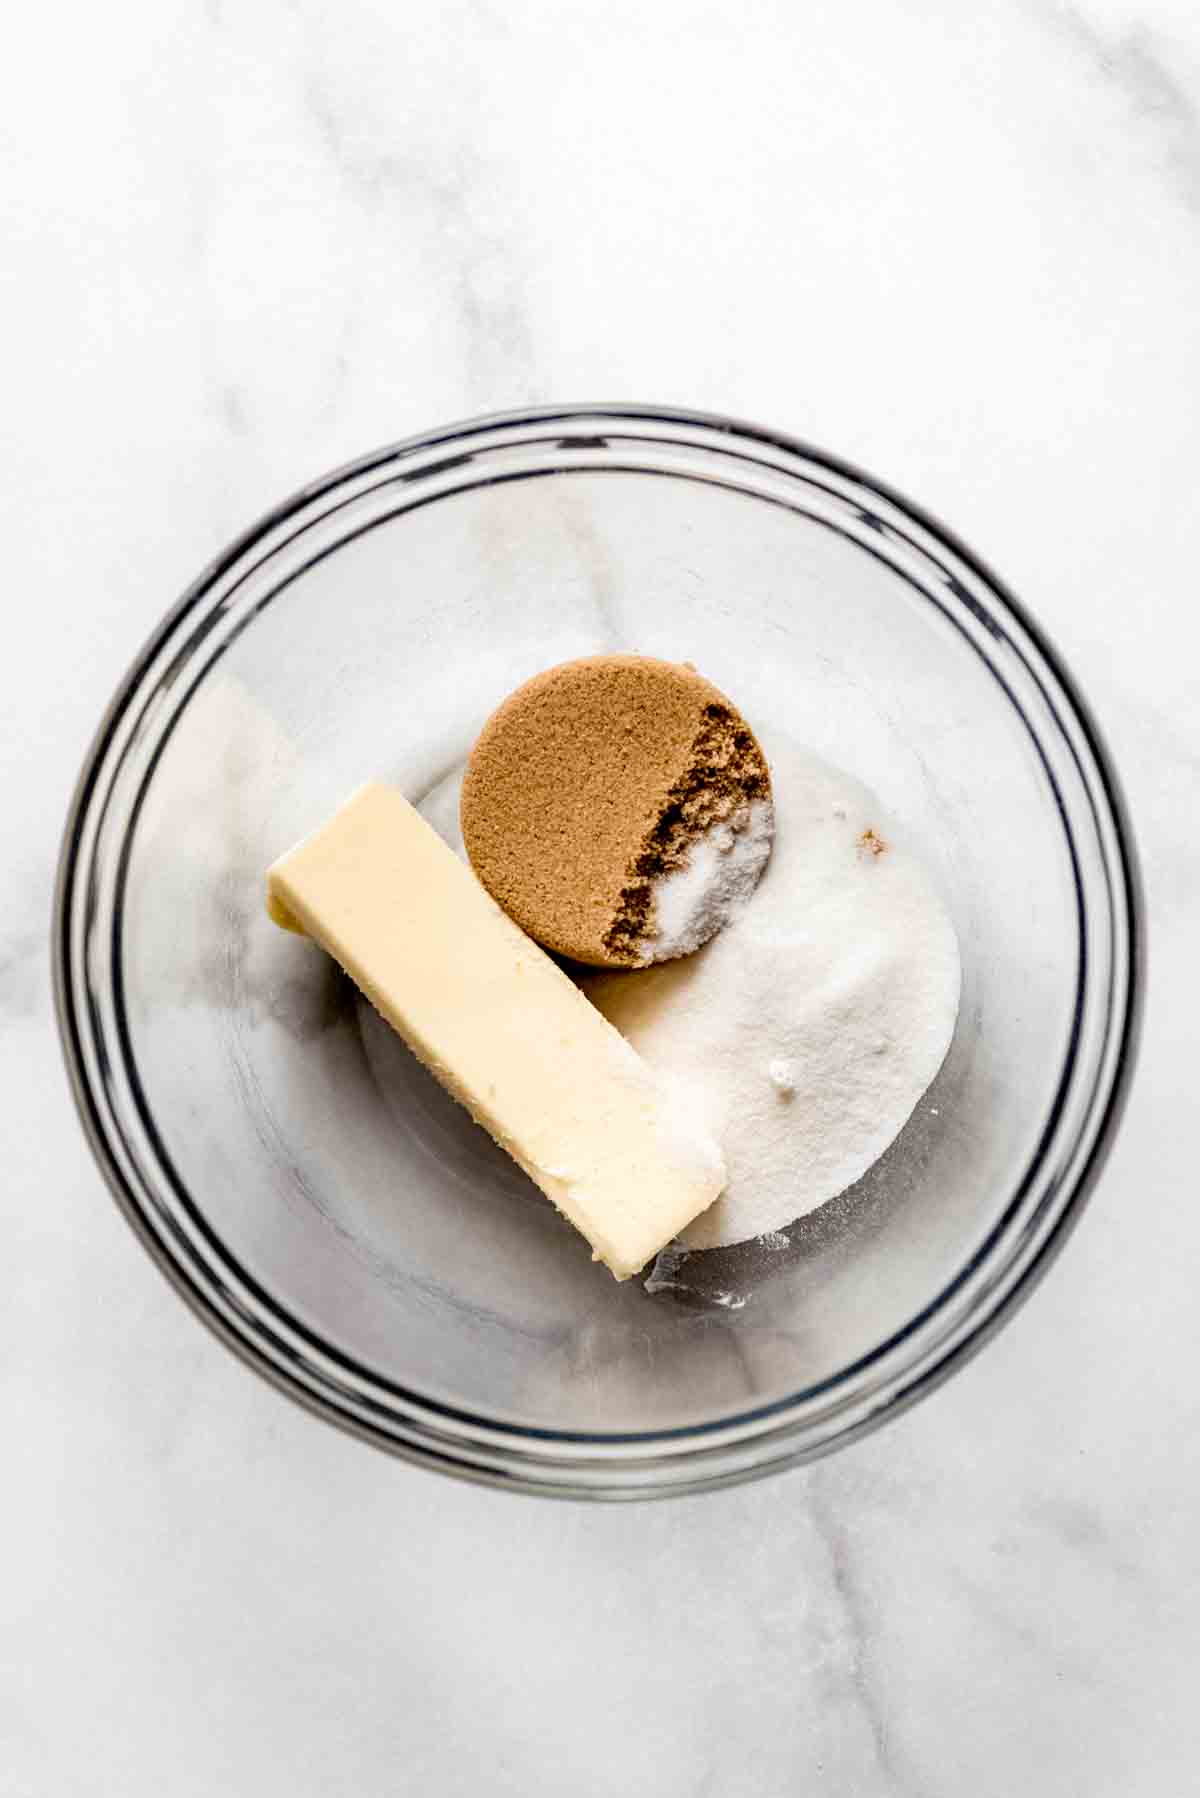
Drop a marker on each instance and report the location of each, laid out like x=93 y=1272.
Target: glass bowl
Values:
x=307 y=1187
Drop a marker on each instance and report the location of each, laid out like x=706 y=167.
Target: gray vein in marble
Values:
x=447 y=181
x=1081 y=1528
x=603 y=582
x=23 y=974
x=863 y=1675
x=368 y=175
x=1136 y=63
x=1009 y=1619
x=234 y=411
x=1161 y=769
x=489 y=285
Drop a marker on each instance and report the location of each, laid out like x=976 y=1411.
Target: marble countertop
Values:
x=959 y=244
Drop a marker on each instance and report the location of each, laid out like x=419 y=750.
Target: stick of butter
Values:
x=500 y=1025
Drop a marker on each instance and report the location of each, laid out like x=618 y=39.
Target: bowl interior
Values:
x=371 y=639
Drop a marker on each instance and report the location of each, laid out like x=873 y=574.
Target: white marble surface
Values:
x=958 y=242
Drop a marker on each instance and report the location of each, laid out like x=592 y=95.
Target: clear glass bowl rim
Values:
x=800 y=1427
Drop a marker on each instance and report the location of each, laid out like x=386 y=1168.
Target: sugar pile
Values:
x=807 y=1030
x=722 y=870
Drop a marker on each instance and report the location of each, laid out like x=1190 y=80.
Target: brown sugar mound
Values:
x=590 y=782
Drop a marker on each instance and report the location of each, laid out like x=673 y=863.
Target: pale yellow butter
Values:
x=500 y=1025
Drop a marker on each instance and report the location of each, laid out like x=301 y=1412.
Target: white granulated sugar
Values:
x=806 y=1031
x=782 y=1075
x=722 y=870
